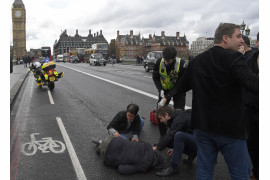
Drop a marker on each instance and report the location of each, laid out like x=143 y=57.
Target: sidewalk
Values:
x=16 y=79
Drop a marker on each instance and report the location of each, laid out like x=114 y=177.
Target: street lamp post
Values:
x=11 y=59
x=247 y=31
x=242 y=27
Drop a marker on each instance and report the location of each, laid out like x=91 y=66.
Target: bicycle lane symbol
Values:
x=46 y=143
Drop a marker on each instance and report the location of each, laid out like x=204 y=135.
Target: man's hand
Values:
x=169 y=152
x=154 y=148
x=242 y=49
x=135 y=139
x=162 y=102
x=116 y=134
x=162 y=94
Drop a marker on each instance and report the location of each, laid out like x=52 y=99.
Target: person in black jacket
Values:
x=127 y=156
x=251 y=102
x=216 y=78
x=167 y=72
x=125 y=122
x=179 y=137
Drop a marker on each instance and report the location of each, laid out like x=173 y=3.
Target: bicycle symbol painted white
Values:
x=46 y=143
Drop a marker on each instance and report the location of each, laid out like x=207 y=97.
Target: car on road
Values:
x=97 y=59
x=74 y=59
x=60 y=58
x=151 y=60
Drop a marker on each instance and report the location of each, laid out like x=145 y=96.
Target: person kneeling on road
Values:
x=128 y=157
x=125 y=122
x=179 y=137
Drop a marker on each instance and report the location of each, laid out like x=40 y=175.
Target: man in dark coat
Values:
x=251 y=102
x=216 y=78
x=125 y=122
x=179 y=137
x=25 y=58
x=127 y=156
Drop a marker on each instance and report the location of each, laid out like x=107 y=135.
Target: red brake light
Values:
x=50 y=72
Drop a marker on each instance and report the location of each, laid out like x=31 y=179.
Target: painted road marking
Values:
x=122 y=85
x=50 y=97
x=75 y=161
x=31 y=148
x=150 y=77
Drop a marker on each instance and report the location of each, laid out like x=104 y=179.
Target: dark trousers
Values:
x=183 y=143
x=234 y=151
x=179 y=101
x=253 y=140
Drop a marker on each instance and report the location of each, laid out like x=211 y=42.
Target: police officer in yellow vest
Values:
x=167 y=71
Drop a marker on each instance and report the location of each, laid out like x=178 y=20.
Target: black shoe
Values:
x=98 y=150
x=96 y=141
x=168 y=171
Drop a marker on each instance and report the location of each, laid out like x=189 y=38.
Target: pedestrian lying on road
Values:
x=127 y=121
x=179 y=137
x=127 y=156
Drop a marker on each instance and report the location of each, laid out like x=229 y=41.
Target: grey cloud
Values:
x=58 y=4
x=193 y=17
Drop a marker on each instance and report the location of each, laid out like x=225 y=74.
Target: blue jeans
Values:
x=130 y=130
x=183 y=143
x=235 y=153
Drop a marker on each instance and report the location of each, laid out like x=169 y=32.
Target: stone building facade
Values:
x=66 y=42
x=200 y=45
x=131 y=46
x=35 y=53
x=18 y=27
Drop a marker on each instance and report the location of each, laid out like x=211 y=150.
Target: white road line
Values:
x=121 y=85
x=50 y=97
x=75 y=161
x=148 y=76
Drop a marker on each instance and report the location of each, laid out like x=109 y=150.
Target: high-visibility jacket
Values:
x=168 y=80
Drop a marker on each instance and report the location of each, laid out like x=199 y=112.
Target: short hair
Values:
x=133 y=109
x=224 y=29
x=258 y=36
x=246 y=39
x=165 y=109
x=169 y=53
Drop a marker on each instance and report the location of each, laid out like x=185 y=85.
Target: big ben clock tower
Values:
x=18 y=25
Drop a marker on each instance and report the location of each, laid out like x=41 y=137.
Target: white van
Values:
x=97 y=59
x=60 y=58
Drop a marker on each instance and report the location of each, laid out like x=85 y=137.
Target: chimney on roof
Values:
x=89 y=32
x=177 y=35
x=163 y=34
x=150 y=36
x=100 y=32
x=76 y=31
x=117 y=33
x=97 y=33
x=131 y=33
x=94 y=34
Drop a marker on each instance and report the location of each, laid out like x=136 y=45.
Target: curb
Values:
x=15 y=89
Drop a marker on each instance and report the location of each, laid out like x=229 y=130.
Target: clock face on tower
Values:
x=18 y=13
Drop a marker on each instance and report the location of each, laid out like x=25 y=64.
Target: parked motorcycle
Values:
x=45 y=74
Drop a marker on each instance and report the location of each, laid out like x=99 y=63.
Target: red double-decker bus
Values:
x=46 y=52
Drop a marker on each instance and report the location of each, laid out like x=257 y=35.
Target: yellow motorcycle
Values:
x=45 y=75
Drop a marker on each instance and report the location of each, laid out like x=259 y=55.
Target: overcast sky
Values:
x=45 y=19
